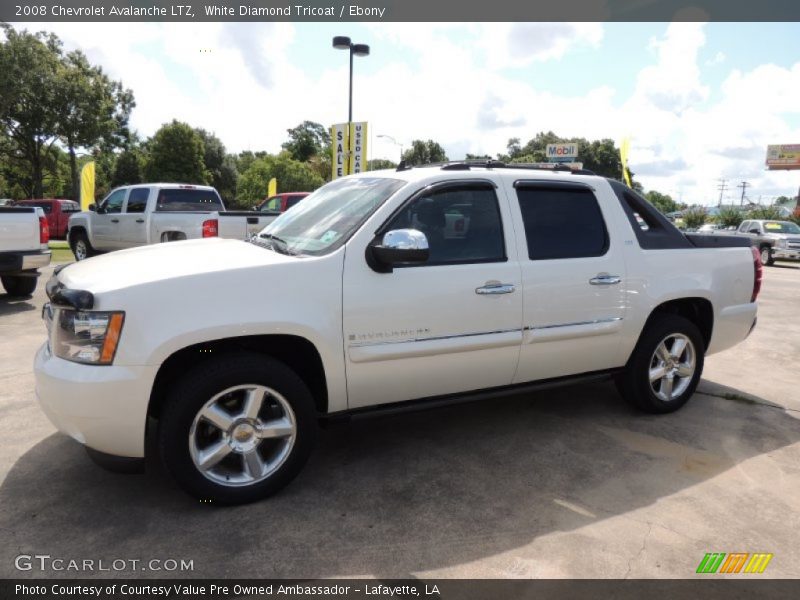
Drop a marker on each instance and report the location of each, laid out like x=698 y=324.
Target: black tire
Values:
x=192 y=392
x=80 y=246
x=765 y=254
x=634 y=383
x=19 y=286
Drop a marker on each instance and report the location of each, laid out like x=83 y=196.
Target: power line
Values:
x=744 y=185
x=721 y=188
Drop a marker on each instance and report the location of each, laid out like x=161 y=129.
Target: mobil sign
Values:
x=562 y=152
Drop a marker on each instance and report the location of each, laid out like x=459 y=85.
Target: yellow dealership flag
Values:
x=87 y=185
x=624 y=149
x=272 y=188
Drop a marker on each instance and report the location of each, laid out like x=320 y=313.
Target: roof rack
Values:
x=466 y=165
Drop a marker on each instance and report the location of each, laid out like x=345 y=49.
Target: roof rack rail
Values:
x=467 y=164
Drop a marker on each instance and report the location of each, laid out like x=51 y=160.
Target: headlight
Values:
x=86 y=337
x=780 y=244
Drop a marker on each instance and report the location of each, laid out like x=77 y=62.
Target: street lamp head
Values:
x=341 y=42
x=360 y=49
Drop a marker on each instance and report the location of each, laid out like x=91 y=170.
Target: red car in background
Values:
x=280 y=203
x=57 y=211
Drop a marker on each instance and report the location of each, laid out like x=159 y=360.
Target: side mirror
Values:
x=93 y=207
x=398 y=246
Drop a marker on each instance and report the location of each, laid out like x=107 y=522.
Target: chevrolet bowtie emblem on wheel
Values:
x=735 y=562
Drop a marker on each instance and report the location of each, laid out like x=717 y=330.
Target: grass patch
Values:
x=61 y=255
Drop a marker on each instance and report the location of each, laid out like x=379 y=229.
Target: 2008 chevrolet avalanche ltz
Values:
x=428 y=284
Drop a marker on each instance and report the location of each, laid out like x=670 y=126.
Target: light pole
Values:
x=342 y=42
x=394 y=141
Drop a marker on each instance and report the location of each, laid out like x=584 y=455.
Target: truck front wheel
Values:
x=766 y=256
x=237 y=429
x=81 y=247
x=665 y=367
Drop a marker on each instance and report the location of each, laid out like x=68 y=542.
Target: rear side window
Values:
x=171 y=200
x=137 y=201
x=292 y=200
x=45 y=206
x=562 y=223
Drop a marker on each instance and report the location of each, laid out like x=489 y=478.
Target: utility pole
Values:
x=721 y=188
x=744 y=185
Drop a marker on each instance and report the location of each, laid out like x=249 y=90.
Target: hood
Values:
x=170 y=260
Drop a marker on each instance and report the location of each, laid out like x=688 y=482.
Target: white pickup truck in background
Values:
x=384 y=290
x=138 y=215
x=23 y=248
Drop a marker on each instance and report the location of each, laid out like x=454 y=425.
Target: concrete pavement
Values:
x=561 y=483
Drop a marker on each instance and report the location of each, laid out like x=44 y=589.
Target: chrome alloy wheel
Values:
x=765 y=255
x=242 y=435
x=672 y=367
x=80 y=250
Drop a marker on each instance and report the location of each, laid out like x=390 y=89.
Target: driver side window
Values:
x=113 y=204
x=462 y=224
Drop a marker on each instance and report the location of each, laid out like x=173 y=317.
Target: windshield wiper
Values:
x=282 y=245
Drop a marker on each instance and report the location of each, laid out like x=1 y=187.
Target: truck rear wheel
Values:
x=237 y=429
x=19 y=286
x=665 y=367
x=81 y=247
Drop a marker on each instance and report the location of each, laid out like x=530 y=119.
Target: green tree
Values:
x=424 y=152
x=694 y=217
x=128 y=168
x=307 y=140
x=29 y=79
x=766 y=212
x=377 y=164
x=292 y=176
x=663 y=202
x=220 y=165
x=92 y=109
x=730 y=216
x=176 y=154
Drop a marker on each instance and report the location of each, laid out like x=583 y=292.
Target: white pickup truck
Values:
x=384 y=290
x=23 y=248
x=137 y=215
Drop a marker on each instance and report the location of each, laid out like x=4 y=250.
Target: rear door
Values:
x=106 y=221
x=133 y=221
x=573 y=277
x=446 y=326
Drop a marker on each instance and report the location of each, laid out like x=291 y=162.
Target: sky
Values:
x=700 y=102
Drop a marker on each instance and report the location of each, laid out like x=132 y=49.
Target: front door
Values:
x=573 y=276
x=449 y=325
x=132 y=221
x=105 y=223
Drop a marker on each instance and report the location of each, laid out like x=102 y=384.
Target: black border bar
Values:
x=399 y=10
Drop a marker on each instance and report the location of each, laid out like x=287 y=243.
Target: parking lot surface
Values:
x=560 y=483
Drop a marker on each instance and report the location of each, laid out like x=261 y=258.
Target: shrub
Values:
x=694 y=217
x=770 y=213
x=730 y=217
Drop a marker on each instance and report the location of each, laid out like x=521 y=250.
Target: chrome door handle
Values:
x=495 y=288
x=115 y=220
x=605 y=279
x=140 y=220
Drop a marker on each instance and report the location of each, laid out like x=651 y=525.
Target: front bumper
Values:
x=102 y=407
x=785 y=254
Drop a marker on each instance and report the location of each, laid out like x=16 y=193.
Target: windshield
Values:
x=327 y=218
x=781 y=227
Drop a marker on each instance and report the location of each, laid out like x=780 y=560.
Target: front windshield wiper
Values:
x=282 y=245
